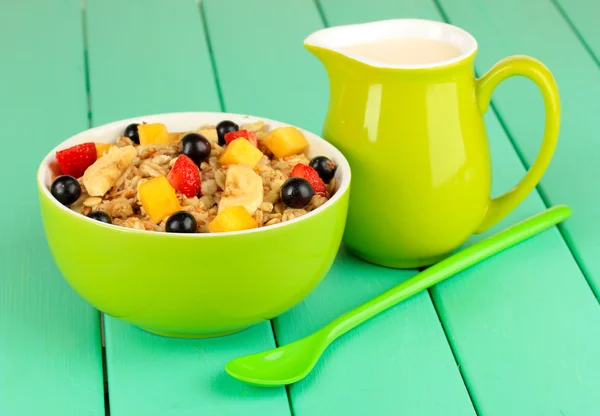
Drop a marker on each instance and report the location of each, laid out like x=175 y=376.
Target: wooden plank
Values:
x=523 y=325
x=153 y=375
x=505 y=28
x=165 y=66
x=583 y=15
x=148 y=57
x=50 y=351
x=266 y=71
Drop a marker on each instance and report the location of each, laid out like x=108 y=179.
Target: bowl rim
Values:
x=340 y=159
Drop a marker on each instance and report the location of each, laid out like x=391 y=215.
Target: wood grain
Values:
x=524 y=324
x=391 y=364
x=583 y=16
x=160 y=62
x=50 y=352
x=539 y=30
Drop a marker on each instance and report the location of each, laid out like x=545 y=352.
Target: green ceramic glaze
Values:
x=416 y=140
x=292 y=362
x=194 y=285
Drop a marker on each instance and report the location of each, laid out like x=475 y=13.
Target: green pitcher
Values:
x=414 y=134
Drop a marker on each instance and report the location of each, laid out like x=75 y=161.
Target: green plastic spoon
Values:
x=292 y=362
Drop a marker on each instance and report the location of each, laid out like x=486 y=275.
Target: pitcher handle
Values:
x=533 y=69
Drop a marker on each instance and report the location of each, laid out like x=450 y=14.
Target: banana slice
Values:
x=243 y=187
x=255 y=127
x=102 y=175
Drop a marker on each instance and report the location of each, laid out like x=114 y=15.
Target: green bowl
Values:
x=194 y=285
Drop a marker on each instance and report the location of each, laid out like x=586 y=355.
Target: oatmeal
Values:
x=214 y=179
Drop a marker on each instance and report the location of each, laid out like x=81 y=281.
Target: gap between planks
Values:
x=444 y=329
x=576 y=31
x=213 y=63
x=565 y=236
x=88 y=91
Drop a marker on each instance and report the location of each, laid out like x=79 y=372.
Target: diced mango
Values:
x=234 y=218
x=285 y=141
x=101 y=149
x=176 y=136
x=158 y=198
x=240 y=151
x=155 y=133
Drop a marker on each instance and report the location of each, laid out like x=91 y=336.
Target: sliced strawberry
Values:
x=304 y=171
x=75 y=160
x=250 y=136
x=55 y=169
x=185 y=177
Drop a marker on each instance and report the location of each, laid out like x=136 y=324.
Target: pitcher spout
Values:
x=393 y=44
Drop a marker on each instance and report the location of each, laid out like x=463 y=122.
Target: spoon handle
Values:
x=447 y=268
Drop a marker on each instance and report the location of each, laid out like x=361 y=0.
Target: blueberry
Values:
x=65 y=189
x=100 y=216
x=325 y=167
x=224 y=127
x=181 y=222
x=196 y=147
x=131 y=131
x=296 y=192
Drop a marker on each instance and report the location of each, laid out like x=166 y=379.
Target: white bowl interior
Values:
x=108 y=133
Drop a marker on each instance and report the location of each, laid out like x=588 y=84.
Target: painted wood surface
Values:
x=522 y=327
x=392 y=363
x=511 y=319
x=505 y=28
x=50 y=352
x=583 y=17
x=161 y=63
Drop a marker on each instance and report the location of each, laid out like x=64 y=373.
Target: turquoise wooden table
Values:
x=516 y=335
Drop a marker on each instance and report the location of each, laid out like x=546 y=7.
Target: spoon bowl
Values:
x=292 y=362
x=280 y=366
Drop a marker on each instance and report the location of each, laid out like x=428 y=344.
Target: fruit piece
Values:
x=75 y=160
x=54 y=168
x=325 y=167
x=103 y=174
x=131 y=131
x=232 y=219
x=100 y=216
x=251 y=137
x=185 y=176
x=296 y=192
x=304 y=171
x=243 y=187
x=101 y=149
x=285 y=141
x=174 y=137
x=196 y=147
x=254 y=126
x=65 y=189
x=155 y=133
x=224 y=127
x=241 y=151
x=181 y=222
x=158 y=198
x=209 y=132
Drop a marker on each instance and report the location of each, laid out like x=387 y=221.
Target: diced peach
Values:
x=240 y=151
x=234 y=218
x=155 y=133
x=176 y=136
x=158 y=198
x=101 y=148
x=285 y=141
